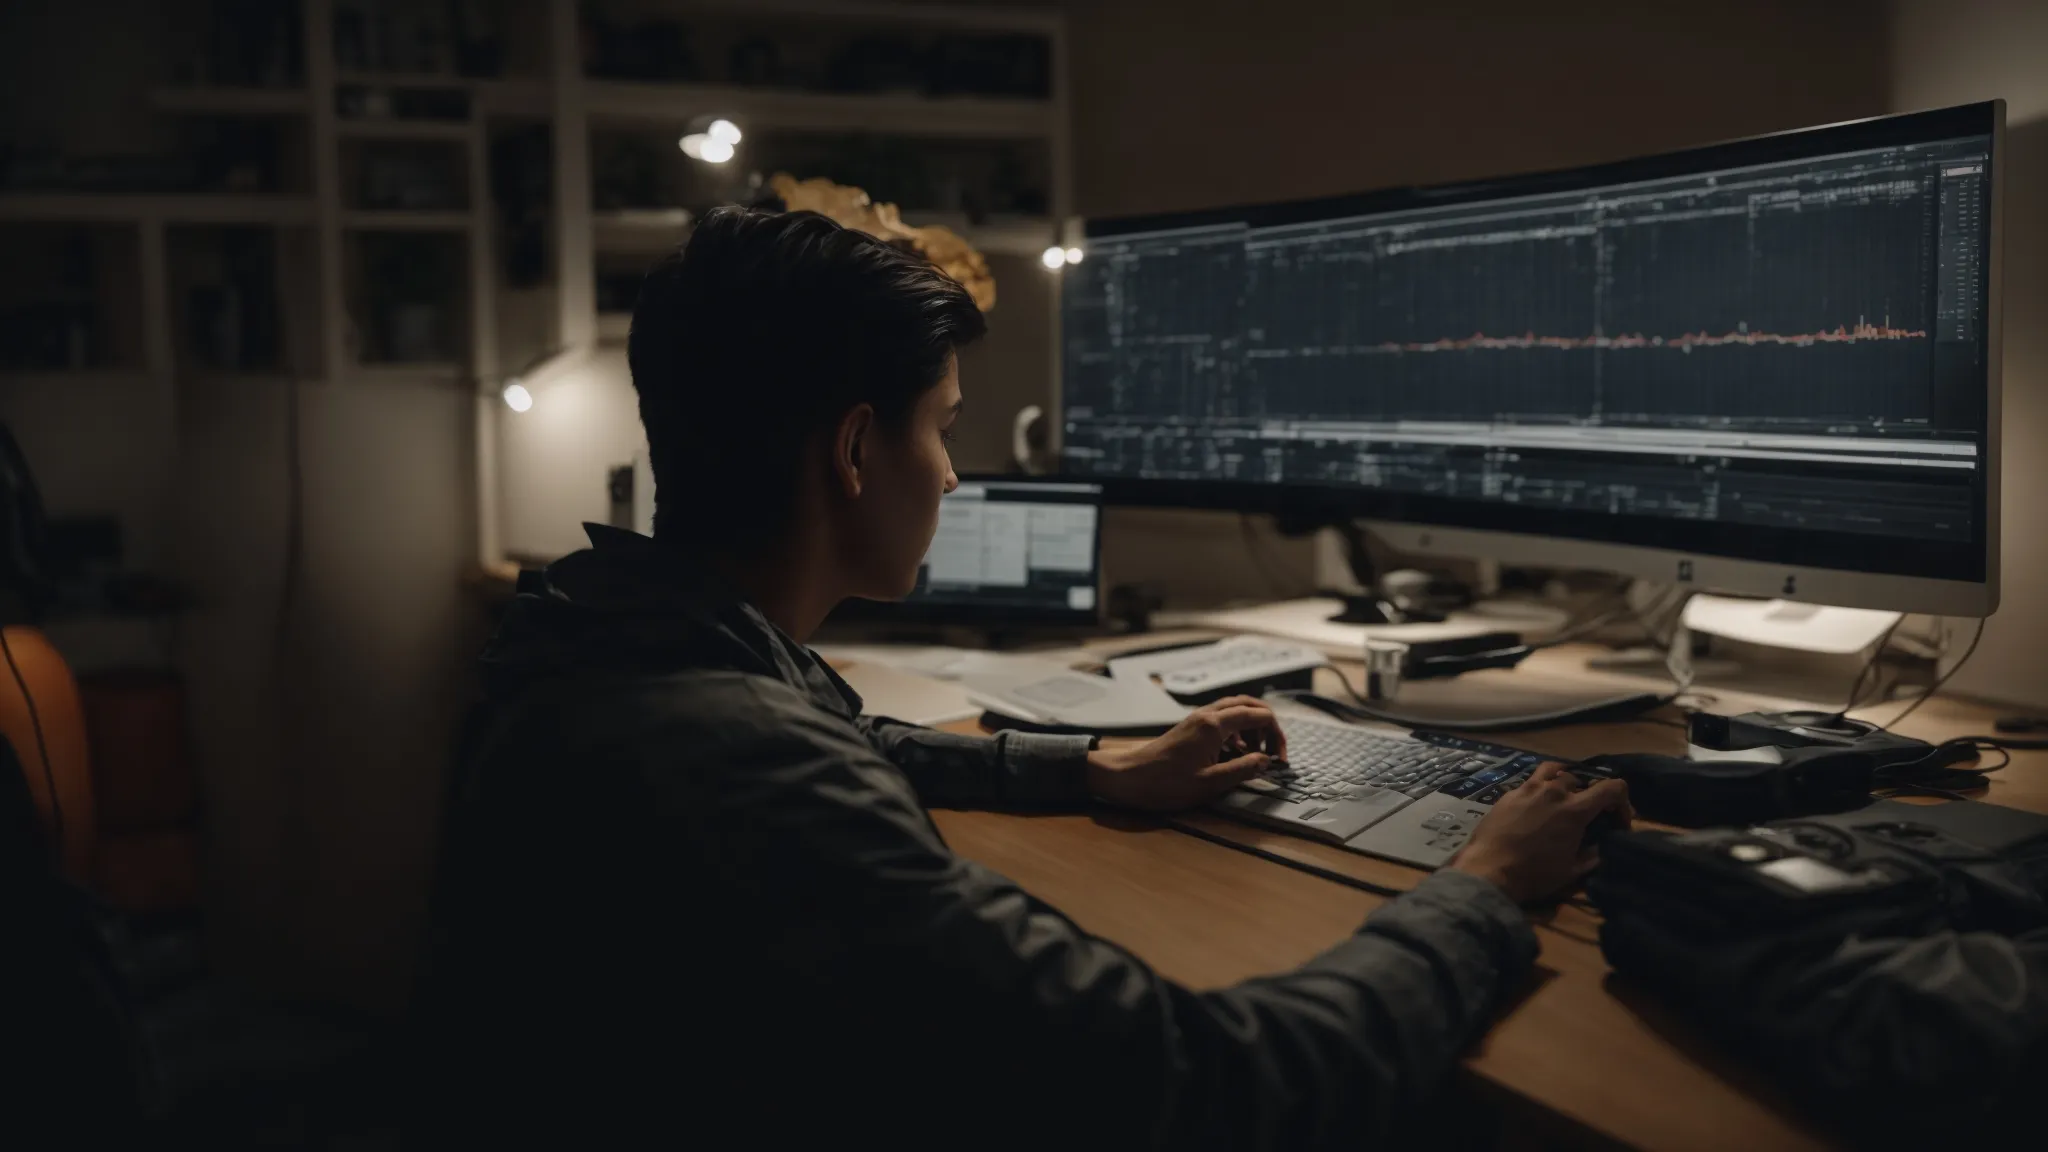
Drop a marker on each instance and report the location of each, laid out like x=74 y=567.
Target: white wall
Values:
x=1952 y=52
x=554 y=457
x=382 y=657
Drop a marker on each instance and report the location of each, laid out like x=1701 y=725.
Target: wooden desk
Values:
x=1581 y=1058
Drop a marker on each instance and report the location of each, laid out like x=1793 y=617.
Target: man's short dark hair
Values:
x=762 y=329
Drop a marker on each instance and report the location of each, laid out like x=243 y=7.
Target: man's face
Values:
x=906 y=471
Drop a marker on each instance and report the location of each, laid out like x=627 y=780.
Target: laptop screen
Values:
x=1014 y=549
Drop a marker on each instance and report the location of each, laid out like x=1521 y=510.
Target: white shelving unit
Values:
x=570 y=105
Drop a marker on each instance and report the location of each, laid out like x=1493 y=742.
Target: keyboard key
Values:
x=1461 y=788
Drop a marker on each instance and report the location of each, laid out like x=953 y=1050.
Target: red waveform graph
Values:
x=1685 y=341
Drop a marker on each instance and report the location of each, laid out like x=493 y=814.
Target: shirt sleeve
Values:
x=1006 y=770
x=1000 y=1006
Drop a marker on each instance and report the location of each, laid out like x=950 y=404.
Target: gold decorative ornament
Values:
x=853 y=208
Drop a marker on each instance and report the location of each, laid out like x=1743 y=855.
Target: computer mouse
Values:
x=1602 y=826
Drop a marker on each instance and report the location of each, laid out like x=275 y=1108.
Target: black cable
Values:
x=1656 y=608
x=1315 y=870
x=1924 y=697
x=1571 y=632
x=1870 y=665
x=1942 y=779
x=35 y=719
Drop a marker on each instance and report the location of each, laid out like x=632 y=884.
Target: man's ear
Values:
x=850 y=442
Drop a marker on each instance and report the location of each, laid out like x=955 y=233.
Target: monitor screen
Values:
x=1013 y=549
x=1776 y=349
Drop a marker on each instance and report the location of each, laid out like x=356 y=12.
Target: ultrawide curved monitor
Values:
x=1768 y=366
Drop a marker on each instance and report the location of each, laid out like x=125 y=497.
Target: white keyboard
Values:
x=1248 y=663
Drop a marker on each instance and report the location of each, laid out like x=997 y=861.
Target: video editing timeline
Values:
x=1794 y=344
x=1027 y=544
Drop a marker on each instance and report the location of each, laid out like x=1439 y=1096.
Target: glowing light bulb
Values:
x=1054 y=257
x=1073 y=255
x=715 y=151
x=517 y=398
x=693 y=145
x=724 y=130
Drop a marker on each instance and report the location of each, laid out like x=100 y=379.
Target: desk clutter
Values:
x=1882 y=966
x=1793 y=878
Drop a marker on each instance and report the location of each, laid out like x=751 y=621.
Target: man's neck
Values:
x=791 y=590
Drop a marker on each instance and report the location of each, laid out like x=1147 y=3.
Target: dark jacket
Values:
x=689 y=890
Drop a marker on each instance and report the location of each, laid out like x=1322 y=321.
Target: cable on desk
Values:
x=1924 y=697
x=1656 y=609
x=1869 y=666
x=1315 y=870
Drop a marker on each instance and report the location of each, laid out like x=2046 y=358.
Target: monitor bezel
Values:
x=1466 y=527
x=930 y=613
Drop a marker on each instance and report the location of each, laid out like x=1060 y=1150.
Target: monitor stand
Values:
x=1372 y=604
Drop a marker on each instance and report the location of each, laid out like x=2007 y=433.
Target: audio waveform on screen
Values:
x=1858 y=332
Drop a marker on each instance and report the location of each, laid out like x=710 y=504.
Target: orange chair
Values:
x=41 y=715
x=108 y=768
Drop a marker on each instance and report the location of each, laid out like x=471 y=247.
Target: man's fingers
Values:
x=1245 y=718
x=1268 y=738
x=1545 y=772
x=1606 y=796
x=1231 y=773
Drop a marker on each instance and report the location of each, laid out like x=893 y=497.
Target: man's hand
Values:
x=1533 y=842
x=1217 y=747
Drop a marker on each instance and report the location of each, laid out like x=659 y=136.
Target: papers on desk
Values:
x=1308 y=621
x=1037 y=690
x=1047 y=693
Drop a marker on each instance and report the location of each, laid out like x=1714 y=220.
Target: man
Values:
x=691 y=892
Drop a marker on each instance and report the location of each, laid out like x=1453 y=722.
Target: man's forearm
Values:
x=1007 y=770
x=1332 y=1055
